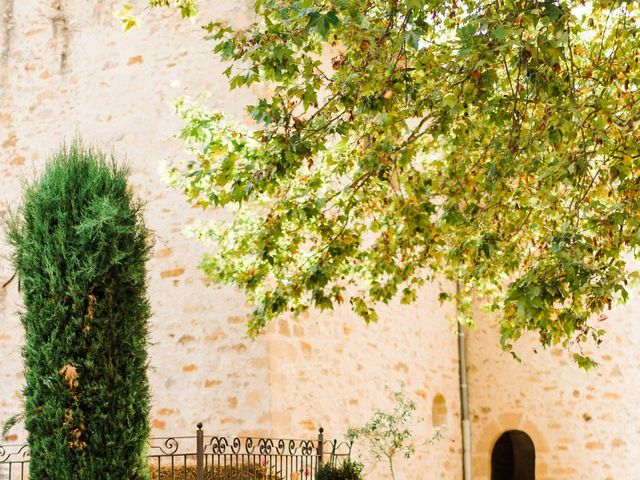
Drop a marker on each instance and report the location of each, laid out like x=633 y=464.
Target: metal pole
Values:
x=199 y=453
x=320 y=446
x=464 y=399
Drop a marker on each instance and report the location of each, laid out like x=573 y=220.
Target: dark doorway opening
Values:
x=513 y=457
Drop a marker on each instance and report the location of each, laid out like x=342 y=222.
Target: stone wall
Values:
x=583 y=424
x=333 y=370
x=67 y=69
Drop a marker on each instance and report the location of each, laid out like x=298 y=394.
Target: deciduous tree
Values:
x=493 y=143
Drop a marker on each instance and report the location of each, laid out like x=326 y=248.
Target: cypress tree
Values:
x=80 y=248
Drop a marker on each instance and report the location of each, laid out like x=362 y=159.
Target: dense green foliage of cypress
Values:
x=80 y=251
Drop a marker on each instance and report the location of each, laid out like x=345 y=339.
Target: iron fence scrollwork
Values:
x=216 y=458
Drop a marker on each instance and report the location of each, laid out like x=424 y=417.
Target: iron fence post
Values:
x=199 y=453
x=320 y=446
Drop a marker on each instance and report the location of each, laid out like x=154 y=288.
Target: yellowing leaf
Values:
x=126 y=17
x=70 y=375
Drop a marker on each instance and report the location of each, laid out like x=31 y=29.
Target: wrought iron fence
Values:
x=14 y=462
x=202 y=457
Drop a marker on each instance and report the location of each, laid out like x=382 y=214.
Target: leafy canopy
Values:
x=494 y=143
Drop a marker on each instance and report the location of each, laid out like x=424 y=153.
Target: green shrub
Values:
x=240 y=471
x=348 y=470
x=80 y=247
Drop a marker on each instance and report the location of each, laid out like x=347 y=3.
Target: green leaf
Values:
x=322 y=23
x=583 y=362
x=450 y=100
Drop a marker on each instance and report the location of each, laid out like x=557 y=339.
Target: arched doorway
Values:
x=513 y=457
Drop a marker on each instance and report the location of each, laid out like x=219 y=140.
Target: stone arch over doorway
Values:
x=513 y=457
x=484 y=436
